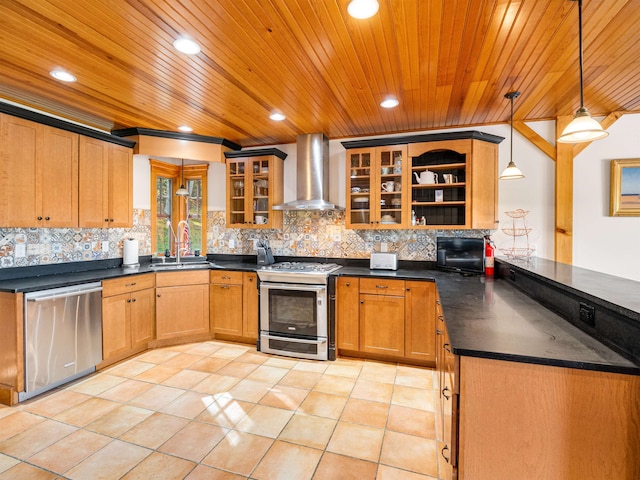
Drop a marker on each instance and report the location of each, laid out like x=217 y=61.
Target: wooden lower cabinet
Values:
x=386 y=319
x=182 y=305
x=382 y=325
x=11 y=347
x=420 y=323
x=128 y=316
x=233 y=305
x=502 y=420
x=348 y=313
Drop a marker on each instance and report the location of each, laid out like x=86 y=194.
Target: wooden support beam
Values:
x=531 y=135
x=564 y=196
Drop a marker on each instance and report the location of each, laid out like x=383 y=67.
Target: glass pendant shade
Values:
x=583 y=128
x=512 y=172
x=363 y=8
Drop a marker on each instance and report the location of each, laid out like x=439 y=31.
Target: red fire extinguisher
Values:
x=488 y=256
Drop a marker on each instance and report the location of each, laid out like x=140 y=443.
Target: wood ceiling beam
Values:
x=531 y=135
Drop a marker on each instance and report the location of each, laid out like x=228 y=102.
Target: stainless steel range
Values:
x=297 y=310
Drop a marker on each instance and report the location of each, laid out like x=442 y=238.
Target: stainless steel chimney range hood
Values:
x=312 y=176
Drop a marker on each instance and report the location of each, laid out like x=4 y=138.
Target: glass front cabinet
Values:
x=443 y=181
x=254 y=186
x=376 y=187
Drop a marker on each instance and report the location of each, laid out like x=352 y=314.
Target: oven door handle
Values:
x=319 y=341
x=297 y=286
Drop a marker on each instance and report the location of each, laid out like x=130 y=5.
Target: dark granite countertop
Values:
x=617 y=293
x=485 y=317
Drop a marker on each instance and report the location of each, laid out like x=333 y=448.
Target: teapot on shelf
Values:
x=426 y=177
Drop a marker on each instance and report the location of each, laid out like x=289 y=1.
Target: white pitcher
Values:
x=426 y=177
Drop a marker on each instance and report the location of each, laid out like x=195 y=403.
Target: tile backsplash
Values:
x=305 y=234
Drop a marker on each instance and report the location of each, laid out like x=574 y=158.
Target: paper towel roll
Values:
x=130 y=257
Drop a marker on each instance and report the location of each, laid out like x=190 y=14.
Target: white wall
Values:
x=600 y=242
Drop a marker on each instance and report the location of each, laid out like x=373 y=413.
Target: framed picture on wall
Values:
x=625 y=188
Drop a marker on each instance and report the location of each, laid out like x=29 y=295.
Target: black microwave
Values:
x=460 y=254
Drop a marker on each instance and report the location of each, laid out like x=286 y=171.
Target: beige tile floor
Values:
x=217 y=410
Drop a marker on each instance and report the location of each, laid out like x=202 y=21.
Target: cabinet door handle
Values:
x=251 y=279
x=39 y=218
x=439 y=332
x=442 y=452
x=111 y=220
x=447 y=347
x=361 y=302
x=348 y=284
x=441 y=318
x=106 y=219
x=437 y=302
x=444 y=393
x=158 y=295
x=133 y=300
x=47 y=218
x=128 y=300
x=408 y=289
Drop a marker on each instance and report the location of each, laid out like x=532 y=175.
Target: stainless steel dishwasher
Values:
x=62 y=336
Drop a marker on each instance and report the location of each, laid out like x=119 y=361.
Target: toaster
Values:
x=384 y=261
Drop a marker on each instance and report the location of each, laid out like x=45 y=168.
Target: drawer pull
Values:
x=381 y=286
x=224 y=286
x=444 y=393
x=442 y=452
x=129 y=284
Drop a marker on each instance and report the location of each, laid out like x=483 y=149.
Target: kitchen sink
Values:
x=180 y=266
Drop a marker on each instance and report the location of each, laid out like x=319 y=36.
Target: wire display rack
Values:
x=519 y=232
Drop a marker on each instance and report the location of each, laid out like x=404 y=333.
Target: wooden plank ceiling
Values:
x=449 y=62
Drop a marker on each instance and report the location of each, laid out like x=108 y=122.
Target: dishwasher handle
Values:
x=70 y=293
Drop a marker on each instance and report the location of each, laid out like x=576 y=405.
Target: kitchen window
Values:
x=167 y=209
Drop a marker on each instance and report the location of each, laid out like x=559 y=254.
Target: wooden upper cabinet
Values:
x=255 y=183
x=106 y=184
x=463 y=188
x=377 y=187
x=446 y=180
x=38 y=175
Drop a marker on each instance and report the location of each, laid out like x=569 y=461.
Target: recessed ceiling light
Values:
x=186 y=45
x=363 y=8
x=185 y=128
x=62 y=75
x=389 y=102
x=277 y=116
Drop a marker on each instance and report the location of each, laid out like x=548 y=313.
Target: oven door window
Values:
x=293 y=312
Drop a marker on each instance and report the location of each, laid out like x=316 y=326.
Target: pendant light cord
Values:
x=581 y=54
x=511 y=153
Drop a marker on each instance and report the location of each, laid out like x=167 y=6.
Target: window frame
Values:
x=178 y=208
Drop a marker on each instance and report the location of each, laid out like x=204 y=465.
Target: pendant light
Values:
x=512 y=172
x=582 y=128
x=182 y=191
